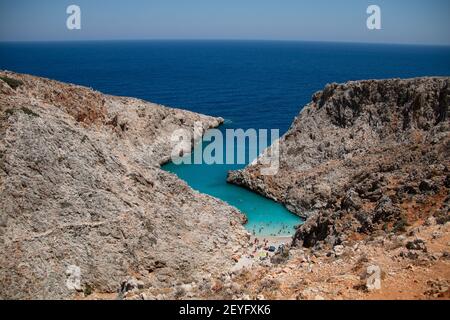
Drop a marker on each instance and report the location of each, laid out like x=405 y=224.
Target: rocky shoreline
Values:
x=367 y=163
x=361 y=158
x=82 y=196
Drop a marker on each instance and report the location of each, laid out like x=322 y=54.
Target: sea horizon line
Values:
x=228 y=40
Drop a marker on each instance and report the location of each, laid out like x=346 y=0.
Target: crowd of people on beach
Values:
x=262 y=248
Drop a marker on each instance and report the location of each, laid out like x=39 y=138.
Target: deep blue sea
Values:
x=252 y=84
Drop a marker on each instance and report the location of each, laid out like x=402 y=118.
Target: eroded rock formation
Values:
x=81 y=191
x=363 y=157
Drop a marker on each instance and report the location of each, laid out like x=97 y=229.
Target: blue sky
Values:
x=403 y=21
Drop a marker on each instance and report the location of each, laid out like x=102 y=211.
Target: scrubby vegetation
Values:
x=9 y=112
x=29 y=112
x=13 y=83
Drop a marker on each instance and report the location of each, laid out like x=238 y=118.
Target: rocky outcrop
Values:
x=84 y=205
x=363 y=157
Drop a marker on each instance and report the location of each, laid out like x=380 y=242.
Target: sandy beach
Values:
x=272 y=241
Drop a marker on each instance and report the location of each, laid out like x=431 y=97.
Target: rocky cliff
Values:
x=363 y=157
x=82 y=196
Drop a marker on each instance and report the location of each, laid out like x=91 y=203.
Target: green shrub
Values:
x=442 y=217
x=13 y=83
x=88 y=290
x=9 y=112
x=30 y=112
x=27 y=111
x=400 y=225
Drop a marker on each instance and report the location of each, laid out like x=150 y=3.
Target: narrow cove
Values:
x=265 y=217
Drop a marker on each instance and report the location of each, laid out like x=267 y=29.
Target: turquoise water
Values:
x=265 y=217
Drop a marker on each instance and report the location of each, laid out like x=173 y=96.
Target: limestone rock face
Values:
x=363 y=156
x=84 y=204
